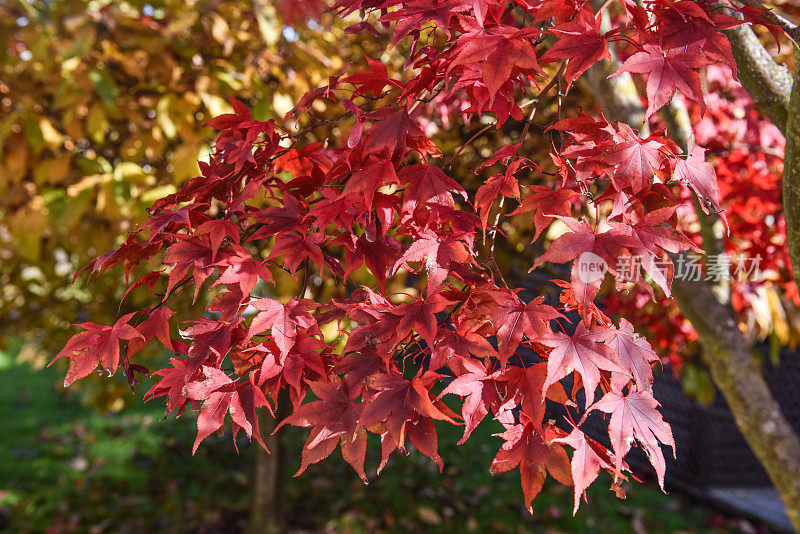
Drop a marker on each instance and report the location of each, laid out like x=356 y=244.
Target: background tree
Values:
x=102 y=111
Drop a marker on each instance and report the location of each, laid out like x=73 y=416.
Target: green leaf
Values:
x=775 y=348
x=697 y=383
x=105 y=87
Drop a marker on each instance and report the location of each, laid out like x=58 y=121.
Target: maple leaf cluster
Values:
x=380 y=202
x=746 y=151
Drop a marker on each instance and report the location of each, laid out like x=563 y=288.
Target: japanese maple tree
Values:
x=375 y=207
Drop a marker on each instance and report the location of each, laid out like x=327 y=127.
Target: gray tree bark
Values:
x=791 y=178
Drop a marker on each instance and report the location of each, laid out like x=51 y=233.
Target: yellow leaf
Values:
x=163 y=118
x=131 y=172
x=148 y=197
x=52 y=137
x=15 y=159
x=220 y=30
x=282 y=103
x=184 y=162
x=780 y=325
x=268 y=24
x=97 y=123
x=215 y=104
x=27 y=227
x=53 y=171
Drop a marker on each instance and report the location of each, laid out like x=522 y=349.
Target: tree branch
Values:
x=791 y=179
x=619 y=98
x=771 y=87
x=679 y=126
x=738 y=376
x=768 y=83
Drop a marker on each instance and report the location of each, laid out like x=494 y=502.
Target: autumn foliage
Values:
x=378 y=205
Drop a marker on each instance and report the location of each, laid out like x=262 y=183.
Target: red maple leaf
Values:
x=305 y=363
x=217 y=230
x=211 y=336
x=333 y=420
x=635 y=415
x=419 y=316
x=494 y=53
x=297 y=248
x=438 y=254
x=654 y=237
x=498 y=184
x=154 y=326
x=372 y=80
x=250 y=398
x=367 y=179
x=283 y=321
x=609 y=246
x=378 y=255
x=678 y=30
x=173 y=382
x=98 y=345
x=580 y=42
x=696 y=173
x=415 y=13
x=356 y=366
x=277 y=219
x=240 y=268
x=545 y=203
x=636 y=159
x=481 y=390
x=219 y=396
x=634 y=354
x=393 y=130
x=525 y=447
x=587 y=461
x=396 y=404
x=584 y=353
x=185 y=253
x=514 y=51
x=667 y=71
x=460 y=343
x=525 y=385
x=513 y=320
x=655 y=234
x=426 y=184
x=487 y=8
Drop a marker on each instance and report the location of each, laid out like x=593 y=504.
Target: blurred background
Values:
x=102 y=107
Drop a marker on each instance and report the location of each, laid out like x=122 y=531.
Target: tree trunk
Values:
x=738 y=376
x=267 y=512
x=791 y=177
x=768 y=83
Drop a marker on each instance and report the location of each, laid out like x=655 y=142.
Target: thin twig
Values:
x=492 y=236
x=538 y=100
x=462 y=147
x=302 y=292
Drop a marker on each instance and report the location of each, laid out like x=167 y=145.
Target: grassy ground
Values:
x=65 y=468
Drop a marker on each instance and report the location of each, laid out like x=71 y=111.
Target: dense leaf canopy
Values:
x=398 y=306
